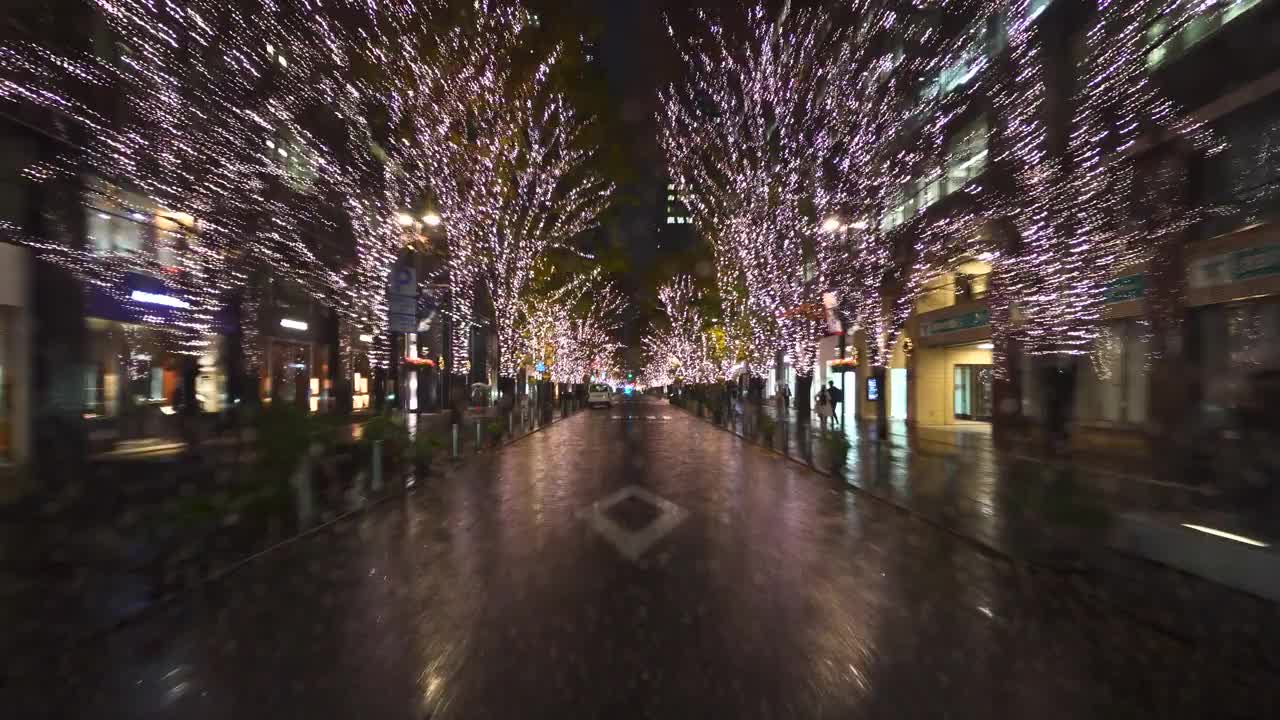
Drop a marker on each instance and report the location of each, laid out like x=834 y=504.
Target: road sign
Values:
x=403 y=323
x=402 y=298
x=404 y=282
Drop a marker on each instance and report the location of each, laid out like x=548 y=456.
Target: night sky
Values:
x=634 y=58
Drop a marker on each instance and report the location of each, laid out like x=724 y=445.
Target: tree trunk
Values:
x=455 y=397
x=379 y=390
x=1007 y=397
x=804 y=398
x=340 y=387
x=879 y=373
x=1059 y=393
x=190 y=370
x=506 y=397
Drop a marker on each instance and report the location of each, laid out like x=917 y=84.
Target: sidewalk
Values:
x=1078 y=520
x=80 y=562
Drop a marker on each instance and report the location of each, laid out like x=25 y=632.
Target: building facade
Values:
x=1184 y=336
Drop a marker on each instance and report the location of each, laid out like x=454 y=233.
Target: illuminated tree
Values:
x=743 y=134
x=508 y=162
x=226 y=124
x=687 y=345
x=573 y=330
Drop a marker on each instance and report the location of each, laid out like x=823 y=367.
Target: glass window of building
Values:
x=966 y=154
x=111 y=230
x=981 y=40
x=930 y=192
x=1236 y=342
x=1035 y=7
x=1211 y=18
x=1244 y=178
x=1112 y=383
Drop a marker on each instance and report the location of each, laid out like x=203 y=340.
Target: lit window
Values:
x=931 y=192
x=671 y=220
x=1211 y=19
x=1035 y=7
x=966 y=156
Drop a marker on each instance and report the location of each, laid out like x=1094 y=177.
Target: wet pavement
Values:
x=637 y=563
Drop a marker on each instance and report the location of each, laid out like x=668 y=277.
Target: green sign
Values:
x=955 y=323
x=1256 y=262
x=1129 y=287
x=1235 y=266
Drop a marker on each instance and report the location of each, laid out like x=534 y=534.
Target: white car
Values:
x=600 y=395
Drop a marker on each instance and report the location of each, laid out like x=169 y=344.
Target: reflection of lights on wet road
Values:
x=986 y=611
x=1227 y=535
x=177 y=682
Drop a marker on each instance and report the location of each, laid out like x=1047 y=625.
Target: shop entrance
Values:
x=973 y=392
x=290 y=373
x=898 y=393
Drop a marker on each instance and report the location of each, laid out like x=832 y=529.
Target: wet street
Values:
x=635 y=563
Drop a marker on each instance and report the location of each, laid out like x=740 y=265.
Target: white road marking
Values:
x=633 y=544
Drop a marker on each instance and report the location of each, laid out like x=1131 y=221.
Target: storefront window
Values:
x=135 y=366
x=1244 y=179
x=1113 y=382
x=1236 y=343
x=111 y=231
x=973 y=392
x=297 y=373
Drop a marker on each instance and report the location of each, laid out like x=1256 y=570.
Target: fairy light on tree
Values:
x=217 y=130
x=508 y=159
x=1073 y=215
x=889 y=106
x=573 y=330
x=688 y=346
x=742 y=134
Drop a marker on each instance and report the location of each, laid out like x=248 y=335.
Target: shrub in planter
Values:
x=285 y=433
x=836 y=444
x=768 y=426
x=425 y=447
x=495 y=432
x=393 y=434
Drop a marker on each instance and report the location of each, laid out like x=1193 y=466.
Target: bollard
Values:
x=455 y=441
x=375 y=484
x=477 y=436
x=301 y=482
x=511 y=424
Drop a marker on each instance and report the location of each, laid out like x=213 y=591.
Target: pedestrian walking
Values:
x=822 y=406
x=836 y=396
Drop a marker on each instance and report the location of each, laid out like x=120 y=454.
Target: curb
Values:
x=988 y=549
x=144 y=611
x=984 y=548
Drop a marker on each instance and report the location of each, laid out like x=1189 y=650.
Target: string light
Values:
x=509 y=166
